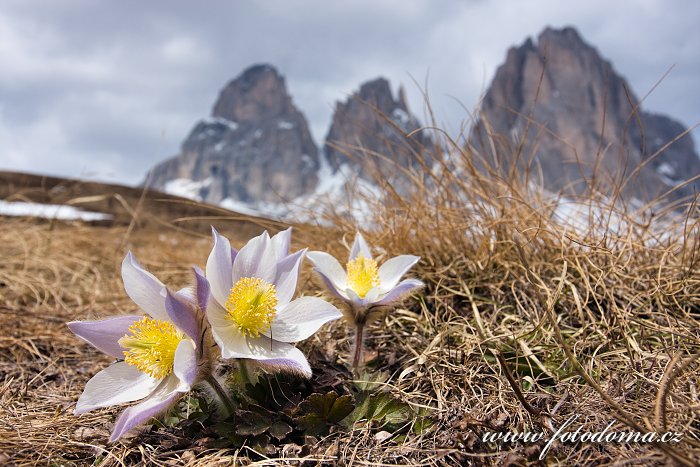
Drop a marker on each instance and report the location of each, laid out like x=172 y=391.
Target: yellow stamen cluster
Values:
x=363 y=275
x=150 y=346
x=251 y=305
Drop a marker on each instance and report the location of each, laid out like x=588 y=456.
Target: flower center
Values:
x=151 y=345
x=251 y=305
x=363 y=275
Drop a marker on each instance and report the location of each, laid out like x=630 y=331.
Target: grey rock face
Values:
x=578 y=121
x=255 y=147
x=371 y=127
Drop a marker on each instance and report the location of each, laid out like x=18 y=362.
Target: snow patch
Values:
x=187 y=188
x=230 y=124
x=331 y=190
x=275 y=211
x=515 y=134
x=49 y=211
x=307 y=160
x=400 y=116
x=285 y=125
x=666 y=169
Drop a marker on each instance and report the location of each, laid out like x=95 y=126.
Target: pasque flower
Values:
x=363 y=284
x=250 y=308
x=366 y=287
x=160 y=354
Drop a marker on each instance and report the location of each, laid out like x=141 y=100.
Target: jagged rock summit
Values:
x=256 y=151
x=578 y=121
x=370 y=122
x=256 y=147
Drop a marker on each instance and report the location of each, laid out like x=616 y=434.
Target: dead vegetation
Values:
x=525 y=322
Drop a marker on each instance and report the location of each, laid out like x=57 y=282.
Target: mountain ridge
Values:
x=555 y=104
x=558 y=106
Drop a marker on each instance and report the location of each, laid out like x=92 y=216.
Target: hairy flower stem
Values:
x=245 y=373
x=359 y=343
x=225 y=400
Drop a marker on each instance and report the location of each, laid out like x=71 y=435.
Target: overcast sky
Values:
x=105 y=90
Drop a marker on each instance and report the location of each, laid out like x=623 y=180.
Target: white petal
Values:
x=328 y=266
x=144 y=288
x=182 y=313
x=185 y=364
x=369 y=298
x=287 y=274
x=391 y=271
x=116 y=384
x=158 y=402
x=403 y=288
x=280 y=243
x=219 y=267
x=359 y=247
x=301 y=318
x=104 y=334
x=280 y=355
x=226 y=334
x=256 y=259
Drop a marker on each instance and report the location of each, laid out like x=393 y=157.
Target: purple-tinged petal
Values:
x=360 y=248
x=202 y=288
x=256 y=259
x=185 y=364
x=392 y=270
x=280 y=243
x=401 y=290
x=219 y=266
x=225 y=332
x=187 y=294
x=279 y=355
x=116 y=384
x=301 y=318
x=144 y=288
x=287 y=274
x=329 y=267
x=182 y=315
x=158 y=402
x=340 y=293
x=105 y=333
x=368 y=299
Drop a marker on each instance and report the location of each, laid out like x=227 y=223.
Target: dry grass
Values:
x=527 y=321
x=524 y=322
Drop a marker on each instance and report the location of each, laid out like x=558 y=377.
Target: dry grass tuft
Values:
x=530 y=318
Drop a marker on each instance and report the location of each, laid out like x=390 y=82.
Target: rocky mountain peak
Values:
x=259 y=93
x=373 y=122
x=575 y=115
x=256 y=147
x=568 y=37
x=377 y=93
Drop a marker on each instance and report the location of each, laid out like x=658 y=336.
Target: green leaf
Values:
x=381 y=408
x=422 y=424
x=279 y=430
x=370 y=381
x=252 y=423
x=322 y=410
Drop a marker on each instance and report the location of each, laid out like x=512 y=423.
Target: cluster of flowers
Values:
x=243 y=305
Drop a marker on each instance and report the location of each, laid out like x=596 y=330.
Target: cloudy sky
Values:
x=104 y=90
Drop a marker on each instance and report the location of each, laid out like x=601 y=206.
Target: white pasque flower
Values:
x=159 y=353
x=250 y=309
x=362 y=283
